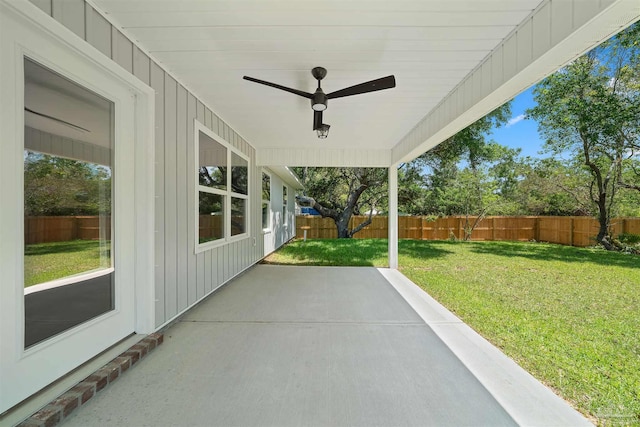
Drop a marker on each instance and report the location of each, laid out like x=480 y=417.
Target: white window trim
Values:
x=228 y=194
x=268 y=229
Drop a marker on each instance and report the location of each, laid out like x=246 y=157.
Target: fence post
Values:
x=536 y=229
x=572 y=231
x=493 y=228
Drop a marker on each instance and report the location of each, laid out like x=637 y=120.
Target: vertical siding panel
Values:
x=219 y=266
x=191 y=201
x=181 y=203
x=541 y=31
x=225 y=262
x=157 y=83
x=170 y=193
x=98 y=31
x=208 y=118
x=200 y=258
x=122 y=50
x=45 y=5
x=510 y=56
x=140 y=65
x=70 y=13
x=496 y=68
x=525 y=45
x=215 y=126
x=207 y=272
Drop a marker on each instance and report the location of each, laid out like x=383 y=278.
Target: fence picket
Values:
x=576 y=231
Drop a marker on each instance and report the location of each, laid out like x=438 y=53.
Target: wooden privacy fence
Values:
x=44 y=229
x=574 y=231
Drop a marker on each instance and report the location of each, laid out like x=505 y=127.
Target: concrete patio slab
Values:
x=316 y=346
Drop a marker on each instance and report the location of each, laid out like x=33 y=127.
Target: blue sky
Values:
x=520 y=132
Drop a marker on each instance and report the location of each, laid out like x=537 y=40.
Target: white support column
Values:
x=393 y=216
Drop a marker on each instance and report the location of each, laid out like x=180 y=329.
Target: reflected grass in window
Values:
x=45 y=262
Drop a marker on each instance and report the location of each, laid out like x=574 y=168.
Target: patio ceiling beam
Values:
x=556 y=33
x=323 y=156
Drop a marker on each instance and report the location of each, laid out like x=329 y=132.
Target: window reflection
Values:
x=238 y=216
x=239 y=174
x=212 y=170
x=68 y=174
x=211 y=218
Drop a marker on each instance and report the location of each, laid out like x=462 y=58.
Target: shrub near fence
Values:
x=574 y=231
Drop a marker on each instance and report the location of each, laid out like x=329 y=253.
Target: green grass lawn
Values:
x=49 y=261
x=570 y=316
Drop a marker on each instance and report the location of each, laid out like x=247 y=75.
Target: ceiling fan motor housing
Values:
x=319 y=100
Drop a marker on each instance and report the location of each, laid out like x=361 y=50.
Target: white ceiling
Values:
x=429 y=45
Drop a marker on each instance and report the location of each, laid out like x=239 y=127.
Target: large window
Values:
x=284 y=205
x=223 y=190
x=68 y=175
x=266 y=202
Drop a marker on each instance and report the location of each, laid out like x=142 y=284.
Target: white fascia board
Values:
x=493 y=87
x=287 y=175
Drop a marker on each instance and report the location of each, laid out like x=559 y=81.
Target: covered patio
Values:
x=324 y=346
x=247 y=344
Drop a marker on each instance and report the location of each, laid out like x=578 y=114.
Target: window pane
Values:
x=266 y=187
x=238 y=216
x=284 y=205
x=265 y=215
x=211 y=222
x=239 y=174
x=212 y=156
x=68 y=173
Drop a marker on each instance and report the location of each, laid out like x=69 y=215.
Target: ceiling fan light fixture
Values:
x=323 y=131
x=319 y=101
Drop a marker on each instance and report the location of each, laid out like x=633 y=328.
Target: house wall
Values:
x=182 y=277
x=281 y=230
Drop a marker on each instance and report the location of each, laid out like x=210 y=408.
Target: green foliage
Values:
x=339 y=193
x=629 y=238
x=465 y=175
x=59 y=186
x=589 y=113
x=340 y=252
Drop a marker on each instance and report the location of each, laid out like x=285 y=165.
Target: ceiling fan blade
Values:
x=372 y=86
x=56 y=119
x=317 y=119
x=277 y=86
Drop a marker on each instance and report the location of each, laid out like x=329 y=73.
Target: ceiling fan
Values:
x=319 y=99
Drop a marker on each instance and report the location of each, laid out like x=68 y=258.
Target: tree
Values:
x=339 y=193
x=59 y=186
x=590 y=111
x=468 y=174
x=549 y=187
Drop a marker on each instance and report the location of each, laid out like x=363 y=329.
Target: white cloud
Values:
x=515 y=120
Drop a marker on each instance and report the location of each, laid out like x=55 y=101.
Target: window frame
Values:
x=285 y=207
x=267 y=229
x=227 y=194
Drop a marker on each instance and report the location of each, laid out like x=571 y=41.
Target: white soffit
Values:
x=430 y=46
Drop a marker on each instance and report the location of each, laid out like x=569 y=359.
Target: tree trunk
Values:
x=603 y=220
x=342 y=226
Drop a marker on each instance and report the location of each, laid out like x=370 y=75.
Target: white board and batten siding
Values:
x=182 y=277
x=280 y=229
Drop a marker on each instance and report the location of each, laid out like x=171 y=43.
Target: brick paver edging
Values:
x=60 y=408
